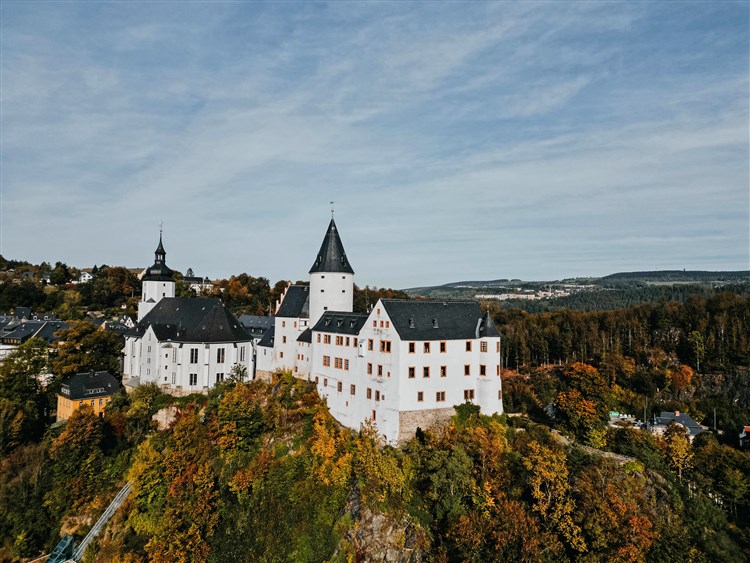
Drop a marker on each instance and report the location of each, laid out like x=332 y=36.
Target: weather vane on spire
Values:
x=161 y=227
x=332 y=209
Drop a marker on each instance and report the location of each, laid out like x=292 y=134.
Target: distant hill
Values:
x=614 y=291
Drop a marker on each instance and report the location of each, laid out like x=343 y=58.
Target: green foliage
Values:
x=83 y=347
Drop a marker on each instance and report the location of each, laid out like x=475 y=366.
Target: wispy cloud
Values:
x=459 y=140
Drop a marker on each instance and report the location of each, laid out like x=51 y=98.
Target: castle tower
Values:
x=331 y=278
x=489 y=382
x=158 y=282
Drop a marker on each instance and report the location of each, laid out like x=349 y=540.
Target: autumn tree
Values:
x=677 y=448
x=84 y=347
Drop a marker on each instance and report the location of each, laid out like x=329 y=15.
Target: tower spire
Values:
x=331 y=256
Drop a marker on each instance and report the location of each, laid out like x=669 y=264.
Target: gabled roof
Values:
x=434 y=320
x=296 y=303
x=185 y=319
x=692 y=426
x=89 y=385
x=331 y=256
x=305 y=336
x=38 y=329
x=341 y=323
x=268 y=338
x=488 y=329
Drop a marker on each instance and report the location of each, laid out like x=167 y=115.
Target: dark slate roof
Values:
x=693 y=427
x=331 y=256
x=185 y=319
x=255 y=325
x=434 y=320
x=341 y=323
x=306 y=336
x=488 y=329
x=89 y=385
x=22 y=312
x=268 y=338
x=296 y=303
x=38 y=329
x=159 y=271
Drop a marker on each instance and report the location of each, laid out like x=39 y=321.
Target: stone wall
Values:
x=263 y=375
x=409 y=421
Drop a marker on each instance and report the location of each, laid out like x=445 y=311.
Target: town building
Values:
x=661 y=423
x=183 y=345
x=403 y=365
x=92 y=389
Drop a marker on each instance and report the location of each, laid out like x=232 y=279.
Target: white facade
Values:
x=377 y=375
x=330 y=291
x=181 y=368
x=151 y=293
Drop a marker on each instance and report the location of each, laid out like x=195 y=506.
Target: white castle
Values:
x=403 y=365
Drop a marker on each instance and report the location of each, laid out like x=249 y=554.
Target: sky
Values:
x=458 y=141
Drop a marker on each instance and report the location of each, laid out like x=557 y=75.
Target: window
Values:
x=193 y=379
x=281 y=354
x=318 y=338
x=338 y=363
x=283 y=324
x=370 y=344
x=500 y=395
x=339 y=341
x=355 y=342
x=353 y=389
x=346 y=364
x=468 y=394
x=347 y=341
x=326 y=361
x=426 y=347
x=385 y=346
x=482 y=370
x=220 y=353
x=326 y=339
x=426 y=371
x=340 y=386
x=219 y=377
x=482 y=346
x=369 y=393
x=149 y=349
x=468 y=345
x=498 y=347
x=194 y=355
x=377 y=395
x=443 y=371
x=467 y=370
x=325 y=382
x=369 y=369
x=498 y=370
x=412 y=371
x=443 y=346
x=440 y=396
x=283 y=339
x=373 y=415
x=242 y=353
x=420 y=396
x=374 y=324
x=316 y=380
x=387 y=324
x=378 y=312
x=411 y=347
x=380 y=370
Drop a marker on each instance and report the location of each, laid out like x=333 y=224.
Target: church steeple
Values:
x=331 y=256
x=159 y=271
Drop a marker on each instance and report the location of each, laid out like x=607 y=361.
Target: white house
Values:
x=184 y=345
x=403 y=365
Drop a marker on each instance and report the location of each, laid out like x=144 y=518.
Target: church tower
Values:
x=331 y=278
x=158 y=282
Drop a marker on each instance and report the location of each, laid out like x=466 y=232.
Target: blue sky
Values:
x=459 y=140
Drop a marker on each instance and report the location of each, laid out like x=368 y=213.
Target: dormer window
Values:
x=434 y=323
x=411 y=322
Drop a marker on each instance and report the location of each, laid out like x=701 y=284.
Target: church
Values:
x=402 y=365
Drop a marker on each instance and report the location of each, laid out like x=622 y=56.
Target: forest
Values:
x=259 y=471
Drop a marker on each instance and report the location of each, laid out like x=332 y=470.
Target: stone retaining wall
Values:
x=409 y=421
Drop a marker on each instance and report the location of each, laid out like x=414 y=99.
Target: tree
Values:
x=84 y=347
x=677 y=448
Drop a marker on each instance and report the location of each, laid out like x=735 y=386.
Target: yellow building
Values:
x=94 y=389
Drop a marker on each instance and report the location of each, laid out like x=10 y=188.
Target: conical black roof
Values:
x=331 y=256
x=159 y=271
